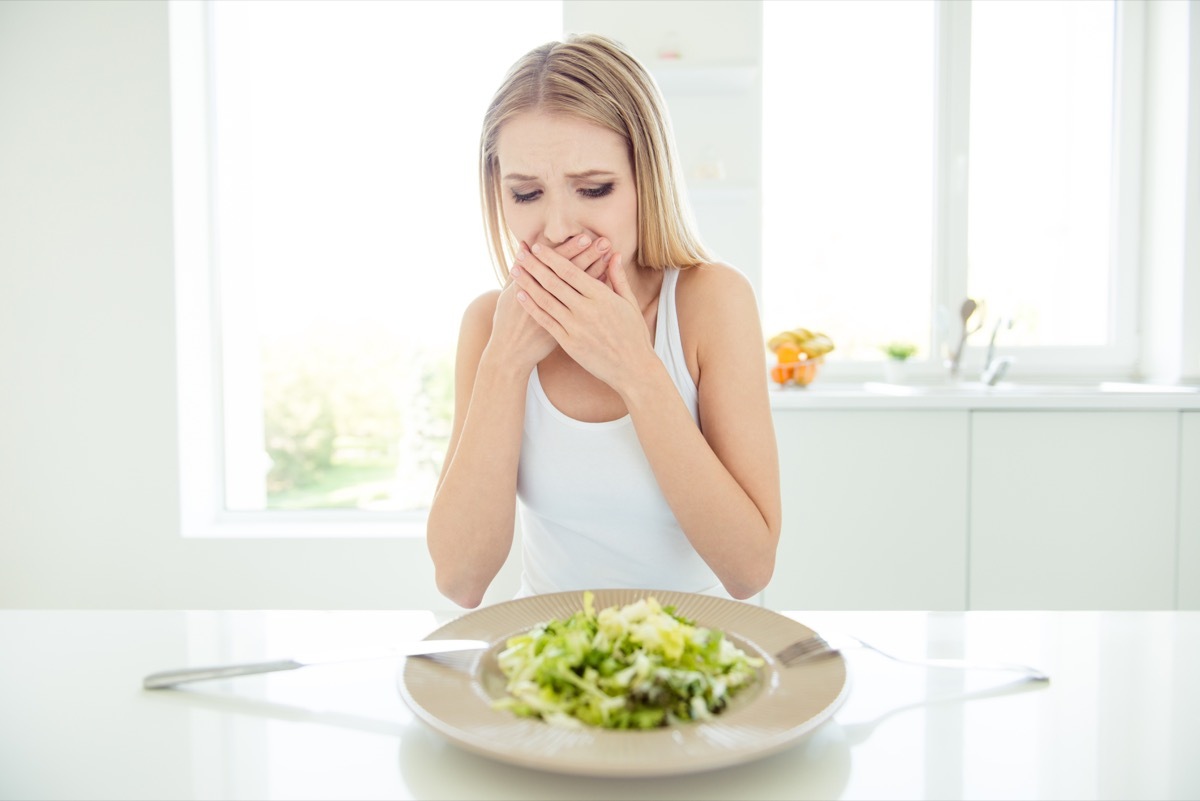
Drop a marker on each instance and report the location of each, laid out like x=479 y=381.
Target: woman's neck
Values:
x=646 y=284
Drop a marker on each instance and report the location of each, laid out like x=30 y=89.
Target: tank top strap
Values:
x=668 y=343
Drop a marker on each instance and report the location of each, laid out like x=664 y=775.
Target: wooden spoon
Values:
x=968 y=308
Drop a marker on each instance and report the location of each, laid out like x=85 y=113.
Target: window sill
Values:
x=309 y=524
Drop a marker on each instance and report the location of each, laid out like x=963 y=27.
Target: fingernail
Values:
x=515 y=271
x=584 y=241
x=520 y=254
x=537 y=248
x=522 y=296
x=602 y=244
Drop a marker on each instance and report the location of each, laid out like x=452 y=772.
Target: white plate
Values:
x=786 y=704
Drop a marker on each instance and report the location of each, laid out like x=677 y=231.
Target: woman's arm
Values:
x=470 y=527
x=721 y=480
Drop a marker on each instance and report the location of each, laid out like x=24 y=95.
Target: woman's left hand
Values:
x=598 y=323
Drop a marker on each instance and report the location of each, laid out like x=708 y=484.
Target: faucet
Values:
x=995 y=368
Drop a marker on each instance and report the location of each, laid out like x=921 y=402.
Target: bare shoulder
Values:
x=483 y=307
x=714 y=284
x=474 y=332
x=477 y=319
x=718 y=316
x=713 y=297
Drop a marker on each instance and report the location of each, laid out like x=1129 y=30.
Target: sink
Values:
x=973 y=388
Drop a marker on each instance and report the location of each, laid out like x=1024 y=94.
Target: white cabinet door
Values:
x=1073 y=510
x=1189 y=512
x=874 y=510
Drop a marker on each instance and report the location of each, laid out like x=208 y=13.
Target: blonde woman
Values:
x=614 y=389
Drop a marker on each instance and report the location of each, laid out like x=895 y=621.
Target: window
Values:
x=914 y=153
x=1038 y=233
x=332 y=148
x=848 y=196
x=924 y=152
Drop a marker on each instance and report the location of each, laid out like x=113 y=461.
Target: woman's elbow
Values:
x=754 y=580
x=458 y=585
x=454 y=581
x=465 y=596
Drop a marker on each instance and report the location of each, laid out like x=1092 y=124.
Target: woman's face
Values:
x=561 y=177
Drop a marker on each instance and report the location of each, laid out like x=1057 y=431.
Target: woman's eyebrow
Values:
x=591 y=174
x=514 y=176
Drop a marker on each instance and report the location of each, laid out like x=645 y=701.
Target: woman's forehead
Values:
x=535 y=144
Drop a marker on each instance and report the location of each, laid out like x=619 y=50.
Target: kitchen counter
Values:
x=974 y=395
x=1119 y=718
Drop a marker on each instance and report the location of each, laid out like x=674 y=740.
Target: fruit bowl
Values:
x=798 y=373
x=799 y=353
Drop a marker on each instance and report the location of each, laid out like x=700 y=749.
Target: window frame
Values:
x=1118 y=359
x=207 y=416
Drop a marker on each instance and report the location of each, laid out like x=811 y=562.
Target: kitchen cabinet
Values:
x=874 y=510
x=1073 y=510
x=1189 y=511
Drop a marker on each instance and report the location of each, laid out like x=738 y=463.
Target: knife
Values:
x=169 y=678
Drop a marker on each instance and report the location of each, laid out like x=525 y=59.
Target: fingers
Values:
x=593 y=259
x=558 y=274
x=587 y=254
x=540 y=286
x=554 y=280
x=534 y=275
x=618 y=279
x=541 y=306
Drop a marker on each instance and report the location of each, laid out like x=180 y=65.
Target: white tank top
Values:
x=591 y=511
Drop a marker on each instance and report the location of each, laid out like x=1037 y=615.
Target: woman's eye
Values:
x=525 y=198
x=598 y=191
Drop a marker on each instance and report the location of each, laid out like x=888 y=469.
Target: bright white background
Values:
x=89 y=507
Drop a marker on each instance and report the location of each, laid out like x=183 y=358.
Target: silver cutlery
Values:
x=170 y=678
x=816 y=647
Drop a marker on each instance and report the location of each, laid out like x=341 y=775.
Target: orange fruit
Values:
x=787 y=353
x=806 y=372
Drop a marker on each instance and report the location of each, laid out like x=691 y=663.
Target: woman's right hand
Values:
x=517 y=336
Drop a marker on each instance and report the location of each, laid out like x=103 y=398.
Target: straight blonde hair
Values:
x=593 y=78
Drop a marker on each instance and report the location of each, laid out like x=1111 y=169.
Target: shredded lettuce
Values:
x=640 y=666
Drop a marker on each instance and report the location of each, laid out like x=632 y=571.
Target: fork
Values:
x=815 y=647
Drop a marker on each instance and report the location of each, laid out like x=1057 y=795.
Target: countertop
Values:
x=972 y=395
x=1119 y=718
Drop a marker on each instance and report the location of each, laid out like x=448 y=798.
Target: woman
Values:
x=615 y=386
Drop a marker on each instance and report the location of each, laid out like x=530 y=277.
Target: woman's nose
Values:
x=560 y=224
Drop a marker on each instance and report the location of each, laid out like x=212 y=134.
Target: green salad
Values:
x=639 y=666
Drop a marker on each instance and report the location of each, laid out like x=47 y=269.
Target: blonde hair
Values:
x=593 y=78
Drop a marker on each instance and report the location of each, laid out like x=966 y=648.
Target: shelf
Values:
x=705 y=192
x=676 y=78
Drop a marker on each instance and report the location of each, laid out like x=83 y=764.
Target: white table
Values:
x=1119 y=719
